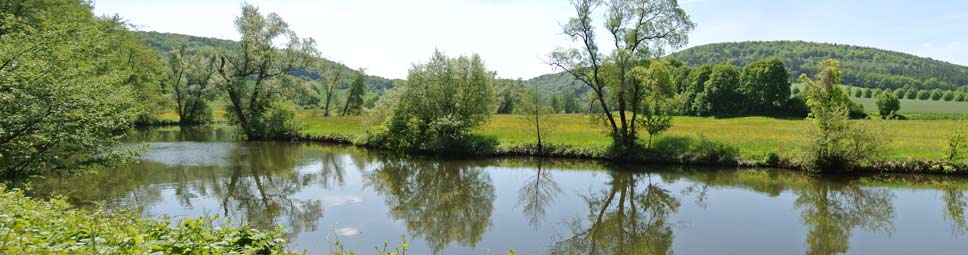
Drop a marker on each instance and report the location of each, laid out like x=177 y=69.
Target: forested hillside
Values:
x=861 y=66
x=165 y=42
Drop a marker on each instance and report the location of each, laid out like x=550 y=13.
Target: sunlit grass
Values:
x=753 y=136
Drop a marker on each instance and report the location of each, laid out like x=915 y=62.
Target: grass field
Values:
x=913 y=106
x=752 y=136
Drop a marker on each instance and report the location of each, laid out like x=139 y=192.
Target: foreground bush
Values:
x=32 y=226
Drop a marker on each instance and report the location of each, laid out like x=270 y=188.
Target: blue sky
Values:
x=515 y=36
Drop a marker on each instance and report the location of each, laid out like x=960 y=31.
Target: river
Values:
x=323 y=193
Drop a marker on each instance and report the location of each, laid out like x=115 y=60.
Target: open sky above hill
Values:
x=515 y=37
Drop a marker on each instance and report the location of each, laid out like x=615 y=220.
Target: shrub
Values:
x=924 y=95
x=442 y=100
x=887 y=105
x=33 y=226
x=834 y=142
x=948 y=96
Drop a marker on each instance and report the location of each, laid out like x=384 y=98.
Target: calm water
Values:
x=322 y=193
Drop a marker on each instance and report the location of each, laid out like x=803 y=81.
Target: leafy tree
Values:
x=569 y=102
x=354 y=101
x=948 y=95
x=924 y=95
x=555 y=103
x=641 y=29
x=936 y=94
x=509 y=96
x=693 y=96
x=836 y=143
x=536 y=112
x=868 y=93
x=251 y=72
x=765 y=84
x=796 y=91
x=440 y=102
x=721 y=89
x=887 y=105
x=657 y=82
x=911 y=94
x=960 y=97
x=331 y=88
x=63 y=88
x=190 y=79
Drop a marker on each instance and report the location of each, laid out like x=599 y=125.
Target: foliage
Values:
x=888 y=105
x=834 y=142
x=64 y=88
x=354 y=101
x=765 y=85
x=957 y=142
x=863 y=66
x=32 y=226
x=722 y=90
x=442 y=100
x=251 y=73
x=642 y=29
x=508 y=96
x=190 y=79
x=659 y=101
x=536 y=112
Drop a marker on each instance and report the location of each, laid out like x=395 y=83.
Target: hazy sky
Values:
x=515 y=36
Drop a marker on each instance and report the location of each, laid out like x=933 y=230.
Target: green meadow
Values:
x=752 y=136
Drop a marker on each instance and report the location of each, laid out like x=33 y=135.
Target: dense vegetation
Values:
x=33 y=226
x=863 y=66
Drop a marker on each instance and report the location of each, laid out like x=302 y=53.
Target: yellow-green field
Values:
x=753 y=136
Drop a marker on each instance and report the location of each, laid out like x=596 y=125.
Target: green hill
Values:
x=862 y=66
x=165 y=42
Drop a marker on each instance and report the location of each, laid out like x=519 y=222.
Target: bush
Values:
x=438 y=106
x=948 y=96
x=276 y=122
x=834 y=142
x=887 y=105
x=924 y=95
x=32 y=226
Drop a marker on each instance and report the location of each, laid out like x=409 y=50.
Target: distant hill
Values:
x=165 y=42
x=861 y=66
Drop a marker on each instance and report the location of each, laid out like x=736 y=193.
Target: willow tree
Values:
x=640 y=31
x=251 y=73
x=190 y=81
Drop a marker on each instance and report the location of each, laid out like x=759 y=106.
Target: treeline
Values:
x=958 y=95
x=862 y=66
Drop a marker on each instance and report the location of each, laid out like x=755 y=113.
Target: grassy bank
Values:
x=753 y=137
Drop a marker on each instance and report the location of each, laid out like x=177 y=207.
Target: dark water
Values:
x=322 y=193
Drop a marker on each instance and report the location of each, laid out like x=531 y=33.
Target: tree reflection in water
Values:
x=438 y=201
x=955 y=203
x=537 y=194
x=832 y=211
x=629 y=216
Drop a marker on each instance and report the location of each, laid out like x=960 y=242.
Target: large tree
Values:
x=251 y=72
x=190 y=79
x=640 y=31
x=63 y=87
x=766 y=85
x=330 y=89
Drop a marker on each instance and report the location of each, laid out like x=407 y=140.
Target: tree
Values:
x=63 y=89
x=440 y=102
x=910 y=94
x=936 y=94
x=858 y=92
x=569 y=102
x=766 y=85
x=330 y=89
x=948 y=95
x=722 y=89
x=924 y=95
x=657 y=82
x=190 y=79
x=555 y=103
x=641 y=29
x=835 y=143
x=868 y=93
x=887 y=105
x=251 y=73
x=354 y=101
x=536 y=112
x=509 y=96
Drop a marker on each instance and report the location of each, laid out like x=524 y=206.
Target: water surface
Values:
x=321 y=193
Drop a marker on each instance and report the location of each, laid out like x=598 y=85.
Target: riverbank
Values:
x=916 y=146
